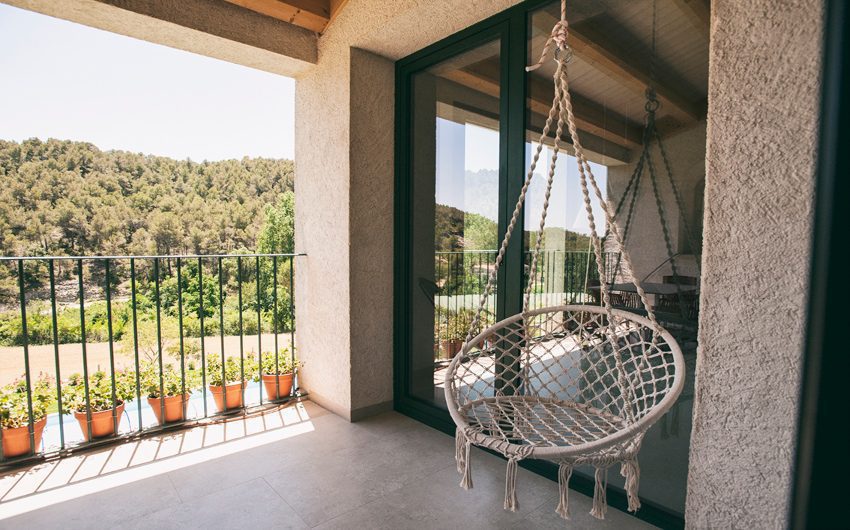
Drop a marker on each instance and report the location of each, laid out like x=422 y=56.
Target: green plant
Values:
x=100 y=391
x=285 y=363
x=233 y=369
x=459 y=323
x=14 y=410
x=172 y=382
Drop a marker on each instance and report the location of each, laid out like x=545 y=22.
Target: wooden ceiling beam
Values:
x=599 y=51
x=314 y=15
x=467 y=105
x=590 y=116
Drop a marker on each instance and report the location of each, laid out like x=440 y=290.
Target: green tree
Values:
x=278 y=233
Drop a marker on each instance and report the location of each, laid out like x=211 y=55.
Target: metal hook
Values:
x=568 y=54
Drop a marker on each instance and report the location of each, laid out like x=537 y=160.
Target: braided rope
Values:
x=668 y=244
x=679 y=202
x=491 y=281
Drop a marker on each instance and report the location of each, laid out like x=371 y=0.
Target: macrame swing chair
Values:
x=571 y=384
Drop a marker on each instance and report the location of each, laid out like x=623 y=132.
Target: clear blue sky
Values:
x=72 y=82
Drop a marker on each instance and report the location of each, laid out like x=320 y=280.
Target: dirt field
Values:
x=97 y=354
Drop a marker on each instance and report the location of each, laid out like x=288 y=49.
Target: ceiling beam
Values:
x=335 y=6
x=464 y=104
x=698 y=13
x=314 y=15
x=598 y=50
x=590 y=116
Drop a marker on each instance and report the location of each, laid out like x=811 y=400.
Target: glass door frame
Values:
x=510 y=27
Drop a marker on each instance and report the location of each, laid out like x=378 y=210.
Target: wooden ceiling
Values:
x=610 y=70
x=314 y=15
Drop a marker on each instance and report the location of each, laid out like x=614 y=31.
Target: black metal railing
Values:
x=562 y=277
x=93 y=335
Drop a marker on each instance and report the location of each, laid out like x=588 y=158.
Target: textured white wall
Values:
x=762 y=124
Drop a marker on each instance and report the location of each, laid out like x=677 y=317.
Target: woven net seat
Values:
x=539 y=422
x=546 y=384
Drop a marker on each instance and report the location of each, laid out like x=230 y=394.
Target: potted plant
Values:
x=277 y=378
x=450 y=338
x=15 y=418
x=227 y=391
x=96 y=412
x=170 y=403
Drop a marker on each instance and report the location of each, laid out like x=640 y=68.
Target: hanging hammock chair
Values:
x=571 y=384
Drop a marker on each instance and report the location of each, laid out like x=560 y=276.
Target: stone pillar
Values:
x=762 y=129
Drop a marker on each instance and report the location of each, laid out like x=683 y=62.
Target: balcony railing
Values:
x=562 y=277
x=90 y=336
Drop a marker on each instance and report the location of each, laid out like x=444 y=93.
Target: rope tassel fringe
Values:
x=511 y=502
x=630 y=470
x=565 y=471
x=460 y=440
x=466 y=480
x=600 y=503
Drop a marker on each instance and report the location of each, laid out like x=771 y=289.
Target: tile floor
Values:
x=298 y=467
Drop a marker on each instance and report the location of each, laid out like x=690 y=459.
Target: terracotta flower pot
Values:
x=273 y=382
x=234 y=396
x=101 y=422
x=175 y=407
x=452 y=347
x=16 y=441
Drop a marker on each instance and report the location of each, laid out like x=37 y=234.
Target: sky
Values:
x=467 y=178
x=72 y=82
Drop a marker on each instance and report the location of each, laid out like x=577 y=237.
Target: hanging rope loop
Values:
x=652 y=104
x=559 y=37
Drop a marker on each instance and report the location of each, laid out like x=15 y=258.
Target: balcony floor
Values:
x=297 y=467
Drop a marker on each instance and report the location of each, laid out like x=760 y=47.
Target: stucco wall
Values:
x=344 y=205
x=763 y=107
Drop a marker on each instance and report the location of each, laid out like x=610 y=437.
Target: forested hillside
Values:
x=71 y=198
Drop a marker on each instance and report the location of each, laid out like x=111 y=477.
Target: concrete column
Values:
x=762 y=128
x=344 y=145
x=344 y=222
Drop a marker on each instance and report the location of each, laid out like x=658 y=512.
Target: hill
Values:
x=70 y=198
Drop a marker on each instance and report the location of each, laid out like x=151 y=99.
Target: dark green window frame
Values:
x=511 y=28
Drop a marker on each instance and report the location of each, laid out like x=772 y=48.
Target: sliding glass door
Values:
x=454 y=162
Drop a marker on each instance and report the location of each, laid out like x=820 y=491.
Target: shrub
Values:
x=14 y=411
x=172 y=382
x=285 y=363
x=232 y=369
x=100 y=391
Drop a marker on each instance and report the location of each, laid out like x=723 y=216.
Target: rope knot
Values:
x=560 y=33
x=558 y=37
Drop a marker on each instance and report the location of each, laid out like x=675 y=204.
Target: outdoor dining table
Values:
x=649 y=288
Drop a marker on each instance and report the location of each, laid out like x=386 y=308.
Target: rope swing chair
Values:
x=571 y=384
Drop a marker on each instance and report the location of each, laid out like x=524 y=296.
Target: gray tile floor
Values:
x=299 y=467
